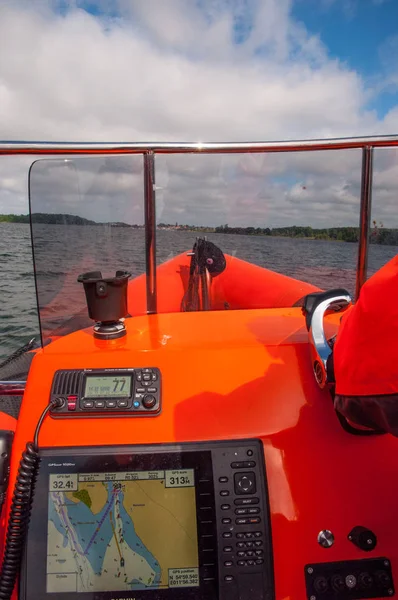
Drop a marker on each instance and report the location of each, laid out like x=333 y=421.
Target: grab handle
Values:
x=320 y=348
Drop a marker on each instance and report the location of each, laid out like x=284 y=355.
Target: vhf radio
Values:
x=107 y=392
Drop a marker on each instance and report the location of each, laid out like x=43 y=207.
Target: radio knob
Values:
x=149 y=401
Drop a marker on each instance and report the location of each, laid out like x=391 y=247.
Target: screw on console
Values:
x=310 y=570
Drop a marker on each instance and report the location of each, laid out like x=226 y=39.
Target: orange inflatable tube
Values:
x=242 y=285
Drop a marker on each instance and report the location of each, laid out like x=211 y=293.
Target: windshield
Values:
x=233 y=231
x=86 y=215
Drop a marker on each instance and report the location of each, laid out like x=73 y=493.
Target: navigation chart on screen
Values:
x=122 y=531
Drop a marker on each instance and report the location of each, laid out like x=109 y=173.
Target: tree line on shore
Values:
x=378 y=233
x=56 y=219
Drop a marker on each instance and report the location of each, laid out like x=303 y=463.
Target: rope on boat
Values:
x=16 y=367
x=25 y=348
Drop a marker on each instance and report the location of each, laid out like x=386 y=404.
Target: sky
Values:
x=201 y=70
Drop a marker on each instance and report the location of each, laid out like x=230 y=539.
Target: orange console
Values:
x=206 y=436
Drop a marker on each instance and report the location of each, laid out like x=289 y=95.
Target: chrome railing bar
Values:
x=9 y=147
x=364 y=217
x=150 y=231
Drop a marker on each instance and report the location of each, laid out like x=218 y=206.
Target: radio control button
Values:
x=146 y=383
x=152 y=390
x=228 y=578
x=228 y=563
x=88 y=404
x=241 y=563
x=250 y=553
x=253 y=511
x=225 y=506
x=259 y=561
x=136 y=404
x=258 y=543
x=226 y=521
x=240 y=536
x=140 y=390
x=227 y=549
x=154 y=377
x=251 y=562
x=138 y=377
x=249 y=544
x=248 y=464
x=259 y=552
x=149 y=401
x=257 y=534
x=111 y=404
x=242 y=521
x=241 y=545
x=100 y=404
x=237 y=465
x=146 y=377
x=147 y=370
x=245 y=483
x=223 y=479
x=253 y=520
x=249 y=535
x=227 y=534
x=241 y=511
x=246 y=501
x=122 y=403
x=240 y=553
x=224 y=493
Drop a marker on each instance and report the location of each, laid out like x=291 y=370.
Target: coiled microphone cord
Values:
x=20 y=511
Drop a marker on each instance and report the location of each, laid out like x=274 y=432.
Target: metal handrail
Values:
x=149 y=150
x=12 y=147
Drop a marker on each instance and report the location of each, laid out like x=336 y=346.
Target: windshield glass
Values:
x=233 y=231
x=87 y=215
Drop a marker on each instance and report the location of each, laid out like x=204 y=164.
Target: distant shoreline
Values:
x=379 y=235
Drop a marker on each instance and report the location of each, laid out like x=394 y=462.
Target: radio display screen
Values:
x=108 y=386
x=121 y=530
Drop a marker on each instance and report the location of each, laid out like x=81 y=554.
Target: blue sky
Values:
x=361 y=33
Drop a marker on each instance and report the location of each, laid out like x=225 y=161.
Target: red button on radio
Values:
x=72 y=400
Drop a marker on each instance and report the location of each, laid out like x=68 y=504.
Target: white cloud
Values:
x=172 y=70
